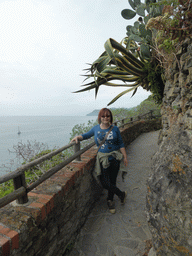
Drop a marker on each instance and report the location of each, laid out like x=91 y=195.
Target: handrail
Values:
x=58 y=167
x=18 y=176
x=22 y=190
x=24 y=167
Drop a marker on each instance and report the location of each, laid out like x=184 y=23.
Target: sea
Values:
x=54 y=131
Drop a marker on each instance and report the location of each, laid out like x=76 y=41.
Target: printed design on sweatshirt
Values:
x=108 y=141
x=110 y=136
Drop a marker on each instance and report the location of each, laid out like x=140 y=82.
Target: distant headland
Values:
x=94 y=113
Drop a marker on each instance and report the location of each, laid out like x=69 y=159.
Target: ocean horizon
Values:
x=54 y=131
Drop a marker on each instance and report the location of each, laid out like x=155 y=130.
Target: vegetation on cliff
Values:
x=144 y=107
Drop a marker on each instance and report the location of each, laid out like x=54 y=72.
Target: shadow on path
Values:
x=124 y=233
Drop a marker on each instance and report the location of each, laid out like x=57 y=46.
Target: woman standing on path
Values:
x=110 y=152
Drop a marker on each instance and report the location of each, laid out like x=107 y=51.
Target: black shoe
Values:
x=124 y=198
x=111 y=206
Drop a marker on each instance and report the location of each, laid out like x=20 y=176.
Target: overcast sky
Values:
x=44 y=47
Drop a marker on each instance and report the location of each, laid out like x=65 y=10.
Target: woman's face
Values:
x=106 y=118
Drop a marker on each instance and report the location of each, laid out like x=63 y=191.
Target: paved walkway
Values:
x=124 y=233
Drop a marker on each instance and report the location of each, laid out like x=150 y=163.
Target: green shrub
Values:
x=6 y=188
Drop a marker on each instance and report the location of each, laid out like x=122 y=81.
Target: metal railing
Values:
x=18 y=176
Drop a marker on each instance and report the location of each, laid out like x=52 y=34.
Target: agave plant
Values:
x=133 y=64
x=119 y=64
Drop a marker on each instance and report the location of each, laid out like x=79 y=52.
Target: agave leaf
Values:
x=119 y=95
x=133 y=49
x=95 y=85
x=132 y=59
x=92 y=83
x=135 y=90
x=124 y=78
x=98 y=60
x=96 y=91
x=87 y=88
x=119 y=72
x=118 y=85
x=113 y=71
x=102 y=64
x=89 y=65
x=128 y=14
x=87 y=77
x=140 y=57
x=103 y=54
x=109 y=50
x=97 y=75
x=87 y=69
x=125 y=65
x=99 y=81
x=90 y=75
x=131 y=46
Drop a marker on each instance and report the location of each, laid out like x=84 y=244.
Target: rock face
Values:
x=169 y=196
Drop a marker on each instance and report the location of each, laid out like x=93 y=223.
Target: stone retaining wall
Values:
x=169 y=198
x=57 y=209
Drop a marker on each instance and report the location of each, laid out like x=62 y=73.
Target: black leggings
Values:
x=108 y=179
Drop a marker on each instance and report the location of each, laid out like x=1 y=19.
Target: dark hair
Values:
x=103 y=112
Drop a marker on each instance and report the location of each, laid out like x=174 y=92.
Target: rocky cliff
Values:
x=169 y=197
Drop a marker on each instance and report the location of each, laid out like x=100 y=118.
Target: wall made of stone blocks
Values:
x=169 y=198
x=57 y=209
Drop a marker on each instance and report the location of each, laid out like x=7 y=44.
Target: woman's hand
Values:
x=77 y=139
x=123 y=151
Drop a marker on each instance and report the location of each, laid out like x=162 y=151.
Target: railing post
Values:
x=122 y=122
x=131 y=119
x=18 y=182
x=76 y=149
